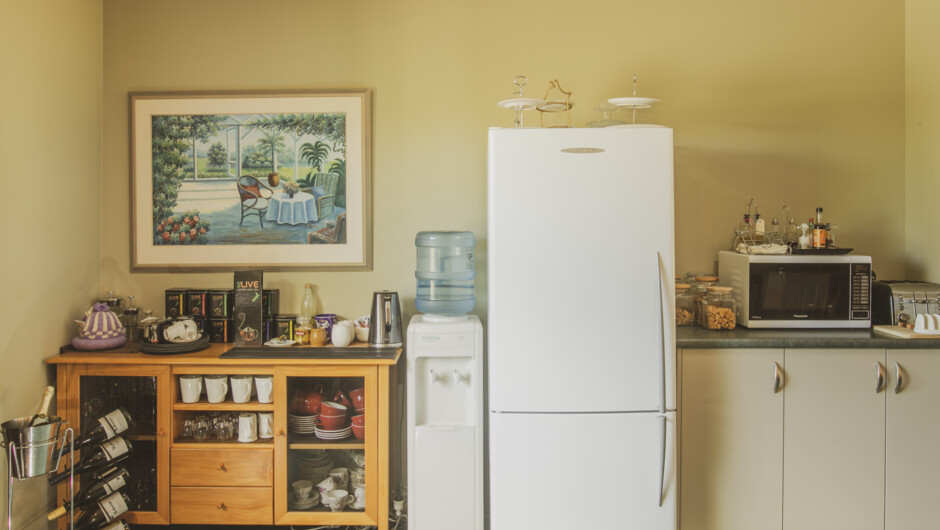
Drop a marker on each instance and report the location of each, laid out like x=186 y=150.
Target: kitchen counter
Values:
x=696 y=337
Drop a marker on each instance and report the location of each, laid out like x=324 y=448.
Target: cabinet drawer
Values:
x=222 y=506
x=221 y=467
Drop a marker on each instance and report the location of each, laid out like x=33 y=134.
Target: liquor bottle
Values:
x=105 y=428
x=819 y=230
x=42 y=415
x=108 y=509
x=104 y=484
x=100 y=456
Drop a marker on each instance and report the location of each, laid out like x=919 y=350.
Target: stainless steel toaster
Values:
x=900 y=301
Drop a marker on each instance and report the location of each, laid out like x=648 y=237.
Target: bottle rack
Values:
x=20 y=455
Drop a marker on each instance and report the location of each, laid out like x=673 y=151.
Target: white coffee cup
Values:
x=241 y=388
x=338 y=499
x=247 y=427
x=325 y=486
x=190 y=388
x=264 y=385
x=340 y=477
x=302 y=489
x=266 y=425
x=216 y=388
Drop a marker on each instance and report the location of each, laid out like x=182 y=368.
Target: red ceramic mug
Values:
x=359 y=420
x=332 y=408
x=359 y=432
x=358 y=397
x=331 y=423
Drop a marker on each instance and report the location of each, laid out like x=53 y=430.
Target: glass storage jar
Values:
x=719 y=308
x=685 y=305
x=698 y=290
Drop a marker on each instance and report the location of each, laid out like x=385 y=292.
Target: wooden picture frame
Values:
x=262 y=179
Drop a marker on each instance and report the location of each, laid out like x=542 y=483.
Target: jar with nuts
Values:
x=685 y=305
x=699 y=289
x=719 y=308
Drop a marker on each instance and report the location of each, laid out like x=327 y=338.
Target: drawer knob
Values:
x=280 y=432
x=222 y=506
x=223 y=469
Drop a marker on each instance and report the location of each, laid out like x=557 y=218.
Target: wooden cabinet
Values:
x=731 y=439
x=912 y=440
x=227 y=482
x=834 y=442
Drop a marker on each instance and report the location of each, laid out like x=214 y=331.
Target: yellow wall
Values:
x=50 y=144
x=922 y=185
x=797 y=103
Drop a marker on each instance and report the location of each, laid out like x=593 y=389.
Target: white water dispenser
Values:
x=445 y=422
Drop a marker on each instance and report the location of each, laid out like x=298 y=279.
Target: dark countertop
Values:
x=697 y=337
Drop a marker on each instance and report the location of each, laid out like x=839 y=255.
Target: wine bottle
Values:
x=100 y=456
x=42 y=415
x=819 y=230
x=117 y=525
x=107 y=510
x=105 y=428
x=104 y=484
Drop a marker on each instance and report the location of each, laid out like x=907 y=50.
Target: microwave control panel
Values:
x=861 y=291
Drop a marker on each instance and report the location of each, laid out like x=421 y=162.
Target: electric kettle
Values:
x=385 y=320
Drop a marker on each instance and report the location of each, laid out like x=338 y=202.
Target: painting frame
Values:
x=150 y=253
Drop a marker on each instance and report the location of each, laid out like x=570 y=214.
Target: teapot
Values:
x=307 y=400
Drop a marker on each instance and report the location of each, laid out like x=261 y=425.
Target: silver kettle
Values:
x=385 y=320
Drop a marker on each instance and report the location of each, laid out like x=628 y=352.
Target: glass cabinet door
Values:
x=326 y=446
x=95 y=391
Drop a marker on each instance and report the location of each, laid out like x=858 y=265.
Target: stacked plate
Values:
x=301 y=424
x=171 y=348
x=294 y=505
x=338 y=434
x=313 y=465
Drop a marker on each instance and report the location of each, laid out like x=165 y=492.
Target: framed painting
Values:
x=274 y=180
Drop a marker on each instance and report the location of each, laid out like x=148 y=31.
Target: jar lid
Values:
x=719 y=289
x=683 y=286
x=706 y=278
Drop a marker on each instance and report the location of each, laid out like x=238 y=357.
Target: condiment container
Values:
x=719 y=308
x=698 y=290
x=685 y=305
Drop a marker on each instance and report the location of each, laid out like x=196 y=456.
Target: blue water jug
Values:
x=445 y=272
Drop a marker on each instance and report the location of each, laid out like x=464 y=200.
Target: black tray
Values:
x=820 y=251
x=173 y=348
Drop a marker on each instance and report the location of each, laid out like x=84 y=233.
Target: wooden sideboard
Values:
x=181 y=481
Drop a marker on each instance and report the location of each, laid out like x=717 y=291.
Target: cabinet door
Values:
x=302 y=452
x=731 y=439
x=95 y=390
x=913 y=436
x=834 y=442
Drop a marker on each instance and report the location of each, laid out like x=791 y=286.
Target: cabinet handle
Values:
x=880 y=372
x=222 y=468
x=900 y=378
x=222 y=506
x=280 y=433
x=161 y=432
x=778 y=378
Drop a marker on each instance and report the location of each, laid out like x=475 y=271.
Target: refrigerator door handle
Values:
x=662 y=460
x=662 y=336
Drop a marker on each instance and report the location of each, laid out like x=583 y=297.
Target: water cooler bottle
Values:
x=444 y=356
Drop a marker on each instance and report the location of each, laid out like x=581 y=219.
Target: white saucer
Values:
x=637 y=103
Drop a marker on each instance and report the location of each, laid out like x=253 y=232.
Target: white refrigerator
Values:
x=581 y=329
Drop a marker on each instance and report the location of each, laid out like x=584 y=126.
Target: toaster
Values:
x=900 y=301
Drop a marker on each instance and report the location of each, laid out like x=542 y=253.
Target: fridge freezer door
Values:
x=563 y=471
x=581 y=270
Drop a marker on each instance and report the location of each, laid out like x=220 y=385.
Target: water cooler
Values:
x=444 y=356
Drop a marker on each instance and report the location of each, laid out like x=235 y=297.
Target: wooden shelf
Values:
x=203 y=405
x=215 y=444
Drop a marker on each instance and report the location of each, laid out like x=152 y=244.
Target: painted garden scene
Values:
x=248 y=179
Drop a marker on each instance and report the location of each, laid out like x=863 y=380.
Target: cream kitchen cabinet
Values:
x=731 y=438
x=912 y=488
x=834 y=439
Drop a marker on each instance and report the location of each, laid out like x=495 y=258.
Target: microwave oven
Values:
x=799 y=291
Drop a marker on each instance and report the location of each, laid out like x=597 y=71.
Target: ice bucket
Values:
x=31 y=451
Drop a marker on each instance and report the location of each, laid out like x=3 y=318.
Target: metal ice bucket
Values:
x=31 y=451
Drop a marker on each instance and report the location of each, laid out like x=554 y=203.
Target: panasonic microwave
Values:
x=799 y=291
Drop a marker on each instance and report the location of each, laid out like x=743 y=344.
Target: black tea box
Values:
x=270 y=304
x=283 y=327
x=175 y=303
x=248 y=314
x=196 y=302
x=220 y=303
x=220 y=329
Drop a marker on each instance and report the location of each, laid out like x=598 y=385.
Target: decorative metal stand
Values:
x=30 y=458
